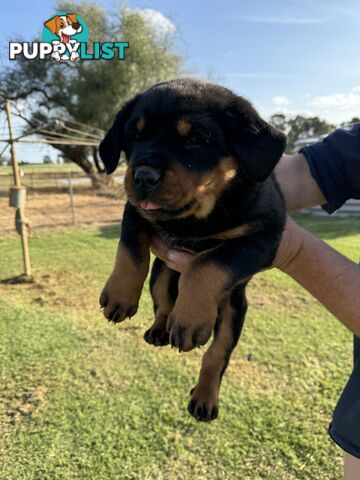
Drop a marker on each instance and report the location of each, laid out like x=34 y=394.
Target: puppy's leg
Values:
x=203 y=404
x=164 y=290
x=210 y=277
x=121 y=294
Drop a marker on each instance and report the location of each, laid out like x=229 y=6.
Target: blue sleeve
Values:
x=335 y=165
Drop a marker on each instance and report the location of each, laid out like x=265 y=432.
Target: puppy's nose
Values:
x=76 y=26
x=146 y=179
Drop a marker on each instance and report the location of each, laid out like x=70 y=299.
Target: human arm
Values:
x=330 y=277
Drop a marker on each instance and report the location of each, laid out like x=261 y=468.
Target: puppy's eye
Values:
x=195 y=140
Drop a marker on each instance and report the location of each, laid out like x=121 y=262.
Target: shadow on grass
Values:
x=18 y=279
x=110 y=232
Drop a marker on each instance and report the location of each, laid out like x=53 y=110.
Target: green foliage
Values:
x=82 y=399
x=300 y=127
x=47 y=160
x=353 y=120
x=92 y=92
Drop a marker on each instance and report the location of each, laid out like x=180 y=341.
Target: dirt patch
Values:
x=55 y=210
x=55 y=289
x=26 y=404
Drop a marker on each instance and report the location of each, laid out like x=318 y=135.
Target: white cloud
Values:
x=162 y=25
x=280 y=101
x=341 y=101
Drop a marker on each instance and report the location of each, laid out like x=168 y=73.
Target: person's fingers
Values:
x=158 y=247
x=175 y=259
x=179 y=261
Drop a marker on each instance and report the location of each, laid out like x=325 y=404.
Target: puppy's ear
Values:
x=113 y=143
x=52 y=24
x=257 y=145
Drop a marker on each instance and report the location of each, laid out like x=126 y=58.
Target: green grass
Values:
x=43 y=168
x=81 y=399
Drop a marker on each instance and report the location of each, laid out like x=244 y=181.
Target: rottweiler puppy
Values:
x=199 y=174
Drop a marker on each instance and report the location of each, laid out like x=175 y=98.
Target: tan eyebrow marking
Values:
x=140 y=124
x=183 y=127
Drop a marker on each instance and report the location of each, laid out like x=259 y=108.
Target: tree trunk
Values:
x=79 y=155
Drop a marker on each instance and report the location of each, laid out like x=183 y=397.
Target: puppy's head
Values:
x=186 y=142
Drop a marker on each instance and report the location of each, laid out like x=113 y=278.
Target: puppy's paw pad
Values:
x=203 y=407
x=186 y=337
x=118 y=304
x=117 y=313
x=157 y=337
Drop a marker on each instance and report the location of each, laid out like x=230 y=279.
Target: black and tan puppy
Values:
x=199 y=162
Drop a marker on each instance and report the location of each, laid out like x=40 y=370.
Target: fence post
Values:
x=72 y=203
x=20 y=212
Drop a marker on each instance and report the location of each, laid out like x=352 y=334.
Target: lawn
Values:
x=43 y=168
x=82 y=399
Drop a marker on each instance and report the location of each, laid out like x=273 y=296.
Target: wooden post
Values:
x=72 y=203
x=21 y=210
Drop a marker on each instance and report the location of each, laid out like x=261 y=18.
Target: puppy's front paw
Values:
x=118 y=300
x=203 y=404
x=187 y=331
x=156 y=336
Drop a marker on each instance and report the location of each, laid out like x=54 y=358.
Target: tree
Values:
x=353 y=120
x=4 y=161
x=279 y=121
x=91 y=92
x=47 y=160
x=300 y=127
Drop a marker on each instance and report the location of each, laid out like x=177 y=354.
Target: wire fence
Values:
x=62 y=199
x=68 y=198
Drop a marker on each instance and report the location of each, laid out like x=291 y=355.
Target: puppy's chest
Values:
x=192 y=242
x=197 y=237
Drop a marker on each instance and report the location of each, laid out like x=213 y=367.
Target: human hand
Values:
x=290 y=244
x=175 y=259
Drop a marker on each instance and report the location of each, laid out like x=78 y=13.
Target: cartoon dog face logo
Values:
x=64 y=26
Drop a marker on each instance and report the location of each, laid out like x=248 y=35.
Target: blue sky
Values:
x=284 y=55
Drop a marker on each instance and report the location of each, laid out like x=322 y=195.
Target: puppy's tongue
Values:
x=148 y=205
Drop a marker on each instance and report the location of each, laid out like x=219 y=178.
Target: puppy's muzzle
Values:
x=146 y=179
